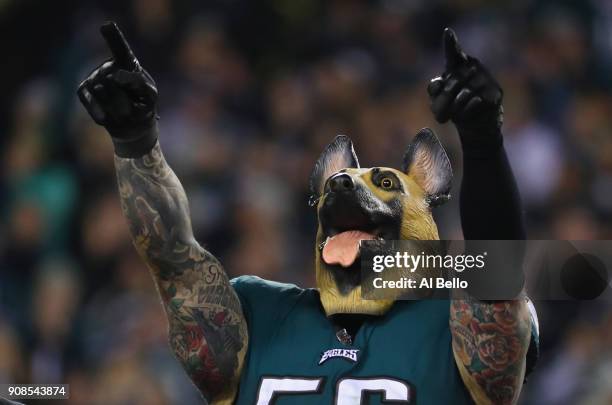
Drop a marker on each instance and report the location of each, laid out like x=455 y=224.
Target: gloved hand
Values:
x=121 y=96
x=468 y=95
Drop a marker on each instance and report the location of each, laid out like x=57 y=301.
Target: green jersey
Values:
x=294 y=356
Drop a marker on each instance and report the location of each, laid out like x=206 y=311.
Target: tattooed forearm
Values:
x=207 y=330
x=490 y=342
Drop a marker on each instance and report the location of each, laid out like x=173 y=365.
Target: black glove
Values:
x=467 y=94
x=121 y=96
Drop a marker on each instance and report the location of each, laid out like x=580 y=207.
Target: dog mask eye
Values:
x=386 y=183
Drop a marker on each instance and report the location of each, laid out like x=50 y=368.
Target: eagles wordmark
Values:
x=350 y=354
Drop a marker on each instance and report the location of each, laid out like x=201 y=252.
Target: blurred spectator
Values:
x=55 y=303
x=11 y=355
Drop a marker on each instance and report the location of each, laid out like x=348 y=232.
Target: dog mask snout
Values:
x=341 y=182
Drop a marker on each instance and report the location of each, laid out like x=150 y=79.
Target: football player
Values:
x=250 y=340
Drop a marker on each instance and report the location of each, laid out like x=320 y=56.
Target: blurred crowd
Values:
x=250 y=93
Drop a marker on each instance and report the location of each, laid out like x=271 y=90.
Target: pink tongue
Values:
x=343 y=248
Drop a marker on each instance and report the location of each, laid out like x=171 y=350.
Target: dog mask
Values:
x=356 y=204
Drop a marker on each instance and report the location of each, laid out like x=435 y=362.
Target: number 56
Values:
x=349 y=391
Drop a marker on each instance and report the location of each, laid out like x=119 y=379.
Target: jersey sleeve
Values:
x=265 y=303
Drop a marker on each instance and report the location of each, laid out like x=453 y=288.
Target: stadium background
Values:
x=250 y=94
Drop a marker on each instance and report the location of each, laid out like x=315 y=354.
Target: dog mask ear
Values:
x=426 y=162
x=338 y=155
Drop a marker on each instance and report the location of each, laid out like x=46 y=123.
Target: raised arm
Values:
x=207 y=329
x=490 y=339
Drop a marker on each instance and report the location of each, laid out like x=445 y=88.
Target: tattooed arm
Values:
x=490 y=342
x=207 y=330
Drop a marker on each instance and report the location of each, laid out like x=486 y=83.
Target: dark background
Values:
x=251 y=91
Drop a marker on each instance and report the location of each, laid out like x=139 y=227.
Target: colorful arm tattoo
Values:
x=207 y=329
x=490 y=342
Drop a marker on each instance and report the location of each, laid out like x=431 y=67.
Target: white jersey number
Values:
x=270 y=387
x=349 y=391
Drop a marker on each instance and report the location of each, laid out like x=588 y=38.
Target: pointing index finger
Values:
x=452 y=50
x=122 y=53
